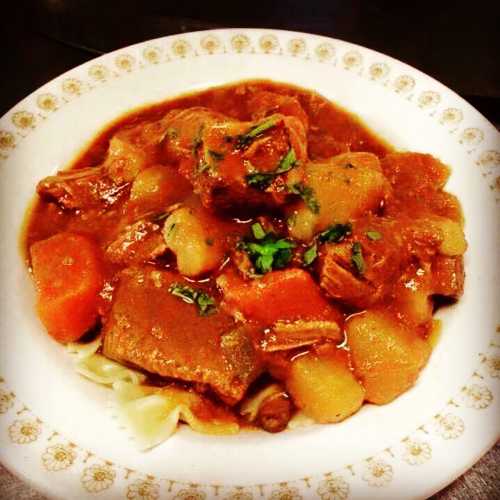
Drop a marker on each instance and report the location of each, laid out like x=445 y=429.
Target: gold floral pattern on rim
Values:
x=378 y=71
x=333 y=488
x=404 y=84
x=143 y=489
x=377 y=473
x=240 y=43
x=152 y=54
x=477 y=396
x=98 y=72
x=58 y=457
x=451 y=116
x=125 y=62
x=47 y=102
x=268 y=43
x=416 y=452
x=98 y=478
x=191 y=493
x=210 y=44
x=6 y=401
x=325 y=51
x=23 y=119
x=285 y=492
x=352 y=59
x=7 y=140
x=24 y=431
x=493 y=362
x=449 y=426
x=429 y=99
x=181 y=48
x=72 y=86
x=239 y=494
x=489 y=158
x=472 y=136
x=296 y=46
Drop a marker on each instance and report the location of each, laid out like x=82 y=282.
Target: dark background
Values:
x=455 y=42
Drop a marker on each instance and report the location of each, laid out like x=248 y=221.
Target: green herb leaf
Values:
x=287 y=162
x=310 y=255
x=336 y=233
x=269 y=253
x=256 y=130
x=205 y=303
x=259 y=181
x=258 y=231
x=197 y=141
x=307 y=194
x=357 y=258
x=374 y=235
x=262 y=180
x=203 y=166
x=216 y=155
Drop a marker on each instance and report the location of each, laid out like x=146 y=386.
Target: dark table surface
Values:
x=455 y=42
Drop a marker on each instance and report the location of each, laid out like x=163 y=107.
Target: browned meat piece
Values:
x=150 y=328
x=285 y=335
x=364 y=280
x=137 y=243
x=448 y=276
x=86 y=187
x=265 y=103
x=130 y=151
x=234 y=164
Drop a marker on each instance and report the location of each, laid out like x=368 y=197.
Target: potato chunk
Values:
x=195 y=242
x=323 y=386
x=344 y=188
x=386 y=356
x=155 y=188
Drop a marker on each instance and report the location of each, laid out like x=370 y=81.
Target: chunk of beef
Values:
x=150 y=328
x=264 y=103
x=384 y=257
x=137 y=243
x=233 y=164
x=82 y=188
x=130 y=151
x=448 y=276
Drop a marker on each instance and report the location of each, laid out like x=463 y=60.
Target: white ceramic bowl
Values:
x=54 y=427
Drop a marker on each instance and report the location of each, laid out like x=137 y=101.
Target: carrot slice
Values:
x=68 y=274
x=286 y=295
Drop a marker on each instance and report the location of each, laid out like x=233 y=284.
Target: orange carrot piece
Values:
x=286 y=295
x=68 y=274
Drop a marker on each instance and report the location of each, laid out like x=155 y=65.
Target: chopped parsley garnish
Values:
x=287 y=162
x=258 y=231
x=335 y=233
x=172 y=133
x=262 y=180
x=247 y=138
x=203 y=166
x=205 y=303
x=307 y=194
x=310 y=255
x=216 y=155
x=259 y=181
x=197 y=141
x=357 y=259
x=268 y=252
x=373 y=235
